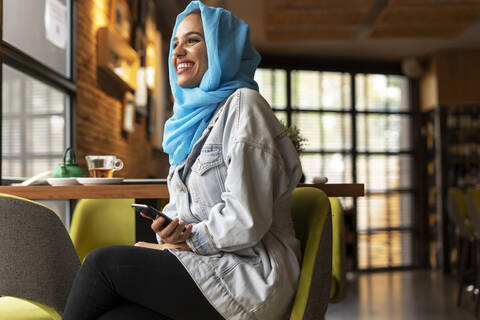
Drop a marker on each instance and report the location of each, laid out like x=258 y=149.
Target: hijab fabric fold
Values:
x=232 y=61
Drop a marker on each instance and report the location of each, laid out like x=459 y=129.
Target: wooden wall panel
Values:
x=458 y=76
x=452 y=78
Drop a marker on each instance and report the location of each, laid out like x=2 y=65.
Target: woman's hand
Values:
x=163 y=246
x=174 y=233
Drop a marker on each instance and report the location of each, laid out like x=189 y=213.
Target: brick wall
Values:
x=99 y=111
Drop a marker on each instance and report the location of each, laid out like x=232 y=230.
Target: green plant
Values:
x=297 y=138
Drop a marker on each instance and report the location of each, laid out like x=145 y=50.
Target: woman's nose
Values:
x=179 y=51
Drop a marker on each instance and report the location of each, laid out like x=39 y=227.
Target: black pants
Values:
x=125 y=282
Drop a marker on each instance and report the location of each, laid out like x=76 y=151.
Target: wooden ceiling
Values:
x=287 y=20
x=363 y=29
x=309 y=19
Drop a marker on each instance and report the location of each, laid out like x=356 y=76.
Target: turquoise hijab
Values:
x=232 y=61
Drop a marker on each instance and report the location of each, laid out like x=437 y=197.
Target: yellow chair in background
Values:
x=458 y=214
x=473 y=209
x=313 y=227
x=338 y=251
x=102 y=222
x=38 y=261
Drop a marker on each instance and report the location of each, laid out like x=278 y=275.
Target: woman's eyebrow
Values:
x=190 y=33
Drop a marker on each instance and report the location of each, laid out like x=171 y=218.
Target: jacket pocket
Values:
x=209 y=157
x=207 y=179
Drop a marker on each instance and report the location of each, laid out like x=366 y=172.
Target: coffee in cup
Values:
x=103 y=166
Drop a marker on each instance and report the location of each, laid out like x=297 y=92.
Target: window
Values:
x=46 y=36
x=34 y=130
x=358 y=127
x=37 y=89
x=384 y=163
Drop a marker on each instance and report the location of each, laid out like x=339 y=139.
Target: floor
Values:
x=419 y=294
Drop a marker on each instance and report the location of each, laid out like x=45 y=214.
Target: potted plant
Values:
x=297 y=139
x=294 y=134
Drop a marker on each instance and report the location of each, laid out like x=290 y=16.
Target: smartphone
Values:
x=151 y=212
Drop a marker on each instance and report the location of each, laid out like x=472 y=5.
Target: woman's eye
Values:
x=192 y=41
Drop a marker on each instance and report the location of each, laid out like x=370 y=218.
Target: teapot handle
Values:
x=72 y=155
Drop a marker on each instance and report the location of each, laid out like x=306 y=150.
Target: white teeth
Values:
x=184 y=65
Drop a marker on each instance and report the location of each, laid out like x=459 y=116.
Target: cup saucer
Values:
x=62 y=181
x=99 y=181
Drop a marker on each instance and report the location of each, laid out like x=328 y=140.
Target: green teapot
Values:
x=69 y=168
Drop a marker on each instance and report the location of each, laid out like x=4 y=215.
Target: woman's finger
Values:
x=176 y=235
x=149 y=245
x=145 y=216
x=157 y=224
x=187 y=232
x=163 y=246
x=181 y=233
x=167 y=230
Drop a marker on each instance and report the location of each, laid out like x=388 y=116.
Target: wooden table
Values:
x=145 y=191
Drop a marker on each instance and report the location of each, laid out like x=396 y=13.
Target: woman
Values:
x=232 y=252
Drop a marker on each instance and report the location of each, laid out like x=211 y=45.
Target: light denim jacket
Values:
x=235 y=187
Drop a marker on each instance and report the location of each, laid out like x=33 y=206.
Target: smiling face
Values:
x=189 y=57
